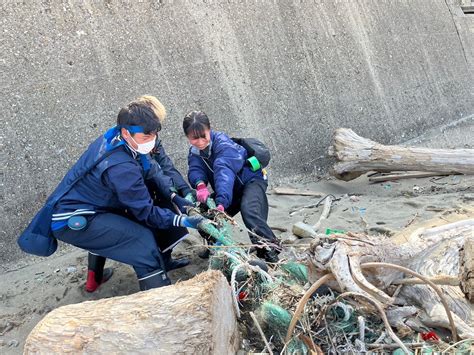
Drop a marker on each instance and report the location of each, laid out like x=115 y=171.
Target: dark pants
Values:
x=119 y=238
x=252 y=203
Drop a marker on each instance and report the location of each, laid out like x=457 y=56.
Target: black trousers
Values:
x=108 y=235
x=252 y=203
x=120 y=238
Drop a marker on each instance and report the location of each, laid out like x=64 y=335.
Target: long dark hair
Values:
x=195 y=124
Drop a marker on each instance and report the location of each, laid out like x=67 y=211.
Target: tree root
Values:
x=324 y=279
x=427 y=281
x=360 y=279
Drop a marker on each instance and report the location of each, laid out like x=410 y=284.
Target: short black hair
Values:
x=195 y=123
x=136 y=114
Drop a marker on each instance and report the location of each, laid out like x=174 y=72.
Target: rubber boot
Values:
x=269 y=254
x=154 y=279
x=206 y=253
x=172 y=264
x=96 y=274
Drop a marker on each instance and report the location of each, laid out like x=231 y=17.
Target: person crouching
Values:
x=215 y=159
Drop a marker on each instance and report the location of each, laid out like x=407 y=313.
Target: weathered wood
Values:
x=356 y=155
x=437 y=280
x=467 y=268
x=291 y=191
x=191 y=317
x=394 y=346
x=430 y=249
x=414 y=175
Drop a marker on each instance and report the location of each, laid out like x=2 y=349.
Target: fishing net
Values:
x=272 y=292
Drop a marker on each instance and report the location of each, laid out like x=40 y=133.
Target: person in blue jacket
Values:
x=175 y=181
x=109 y=211
x=217 y=160
x=168 y=189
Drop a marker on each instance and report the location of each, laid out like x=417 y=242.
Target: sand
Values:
x=32 y=287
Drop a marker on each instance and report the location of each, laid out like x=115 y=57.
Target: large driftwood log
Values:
x=430 y=249
x=356 y=155
x=191 y=317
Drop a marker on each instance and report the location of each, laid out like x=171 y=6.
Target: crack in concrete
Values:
x=457 y=32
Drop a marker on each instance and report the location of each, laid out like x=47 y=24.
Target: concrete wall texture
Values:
x=288 y=72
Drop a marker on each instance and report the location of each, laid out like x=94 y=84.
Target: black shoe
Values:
x=154 y=279
x=260 y=263
x=173 y=264
x=204 y=254
x=270 y=255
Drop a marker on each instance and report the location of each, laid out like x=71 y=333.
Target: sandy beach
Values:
x=32 y=288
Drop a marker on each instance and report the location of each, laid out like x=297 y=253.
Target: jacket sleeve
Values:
x=127 y=182
x=228 y=162
x=170 y=171
x=157 y=177
x=196 y=170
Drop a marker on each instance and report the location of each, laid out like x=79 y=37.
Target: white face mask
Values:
x=144 y=148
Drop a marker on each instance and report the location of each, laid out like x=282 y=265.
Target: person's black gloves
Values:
x=181 y=203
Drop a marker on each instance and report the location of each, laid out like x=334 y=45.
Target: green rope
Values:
x=296 y=270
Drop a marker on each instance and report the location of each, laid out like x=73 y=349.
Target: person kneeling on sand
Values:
x=169 y=190
x=108 y=210
x=216 y=159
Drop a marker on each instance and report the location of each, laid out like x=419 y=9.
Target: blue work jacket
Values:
x=117 y=183
x=223 y=166
x=107 y=177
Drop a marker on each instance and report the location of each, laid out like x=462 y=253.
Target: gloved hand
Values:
x=220 y=208
x=191 y=197
x=181 y=203
x=193 y=221
x=202 y=193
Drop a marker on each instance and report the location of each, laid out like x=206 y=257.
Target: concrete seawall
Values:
x=288 y=72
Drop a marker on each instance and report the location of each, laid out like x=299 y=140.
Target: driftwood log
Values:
x=357 y=155
x=191 y=317
x=430 y=249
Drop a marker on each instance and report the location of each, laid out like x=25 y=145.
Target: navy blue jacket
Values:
x=115 y=184
x=170 y=179
x=223 y=166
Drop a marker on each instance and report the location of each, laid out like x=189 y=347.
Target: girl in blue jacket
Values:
x=216 y=160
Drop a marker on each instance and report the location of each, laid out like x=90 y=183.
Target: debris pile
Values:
x=351 y=292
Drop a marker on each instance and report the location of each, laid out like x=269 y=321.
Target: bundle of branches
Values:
x=353 y=292
x=397 y=277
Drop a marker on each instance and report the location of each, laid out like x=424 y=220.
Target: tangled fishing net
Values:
x=272 y=293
